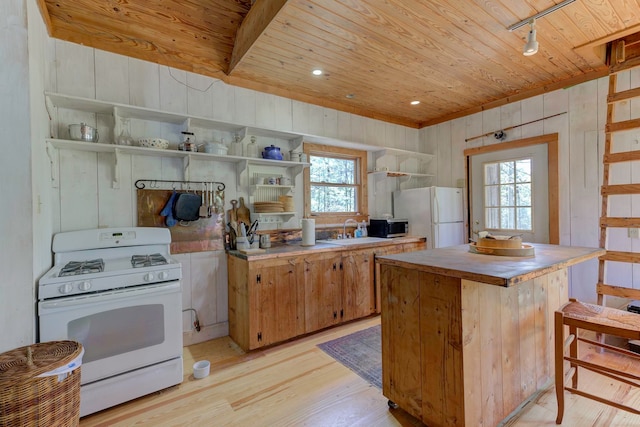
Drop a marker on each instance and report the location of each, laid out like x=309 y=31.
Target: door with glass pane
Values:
x=509 y=193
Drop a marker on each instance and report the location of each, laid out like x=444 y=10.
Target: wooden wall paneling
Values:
x=474 y=127
x=204 y=287
x=144 y=84
x=187 y=316
x=265 y=110
x=491 y=123
x=443 y=391
x=510 y=357
x=173 y=90
x=445 y=174
x=542 y=329
x=457 y=152
x=112 y=77
x=114 y=203
x=358 y=128
x=224 y=101
x=75 y=70
x=344 y=126
x=315 y=119
x=532 y=109
x=472 y=343
x=300 y=114
x=78 y=190
x=412 y=140
x=491 y=374
x=511 y=115
x=245 y=106
x=400 y=303
x=284 y=114
x=199 y=96
x=526 y=323
x=330 y=123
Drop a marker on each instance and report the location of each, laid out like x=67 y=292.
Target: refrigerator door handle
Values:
x=436 y=209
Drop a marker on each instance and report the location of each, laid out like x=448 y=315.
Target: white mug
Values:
x=265 y=241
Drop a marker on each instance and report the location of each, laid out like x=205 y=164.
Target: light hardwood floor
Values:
x=297 y=384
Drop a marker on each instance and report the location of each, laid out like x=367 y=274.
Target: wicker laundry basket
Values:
x=29 y=398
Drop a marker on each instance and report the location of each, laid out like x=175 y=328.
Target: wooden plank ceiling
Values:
x=455 y=56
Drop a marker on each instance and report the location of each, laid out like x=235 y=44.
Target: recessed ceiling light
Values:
x=415 y=102
x=317 y=72
x=350 y=96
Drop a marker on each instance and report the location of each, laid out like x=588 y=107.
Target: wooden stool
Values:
x=601 y=320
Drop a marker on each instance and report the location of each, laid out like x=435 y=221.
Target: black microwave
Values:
x=388 y=227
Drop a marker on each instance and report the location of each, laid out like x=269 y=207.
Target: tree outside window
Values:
x=508 y=202
x=334 y=183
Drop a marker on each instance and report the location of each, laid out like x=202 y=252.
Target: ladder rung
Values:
x=617 y=291
x=621 y=256
x=623 y=222
x=609 y=190
x=621 y=126
x=624 y=95
x=627 y=156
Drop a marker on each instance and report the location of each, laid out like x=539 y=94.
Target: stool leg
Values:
x=559 y=363
x=573 y=352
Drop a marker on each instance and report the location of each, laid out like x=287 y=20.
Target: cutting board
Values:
x=243 y=213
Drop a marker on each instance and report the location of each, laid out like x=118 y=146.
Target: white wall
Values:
x=581 y=146
x=16 y=233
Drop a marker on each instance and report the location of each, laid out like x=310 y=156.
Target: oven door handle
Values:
x=101 y=297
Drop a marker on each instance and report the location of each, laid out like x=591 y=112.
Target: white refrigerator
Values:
x=433 y=212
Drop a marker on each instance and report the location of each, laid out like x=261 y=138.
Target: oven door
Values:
x=120 y=330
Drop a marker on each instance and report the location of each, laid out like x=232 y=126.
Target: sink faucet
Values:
x=344 y=226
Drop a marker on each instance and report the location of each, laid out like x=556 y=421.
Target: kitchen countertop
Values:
x=457 y=261
x=293 y=249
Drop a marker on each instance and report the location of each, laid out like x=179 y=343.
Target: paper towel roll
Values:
x=308 y=232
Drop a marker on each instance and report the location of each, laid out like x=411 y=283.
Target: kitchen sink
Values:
x=355 y=241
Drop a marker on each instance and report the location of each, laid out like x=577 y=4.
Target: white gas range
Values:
x=117 y=291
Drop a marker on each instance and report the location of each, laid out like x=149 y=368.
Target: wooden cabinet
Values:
x=322 y=290
x=358 y=295
x=265 y=301
x=276 y=298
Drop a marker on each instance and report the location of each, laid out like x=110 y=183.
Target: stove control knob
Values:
x=163 y=275
x=148 y=277
x=66 y=288
x=84 y=286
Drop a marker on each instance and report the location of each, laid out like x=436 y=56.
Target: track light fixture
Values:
x=531 y=48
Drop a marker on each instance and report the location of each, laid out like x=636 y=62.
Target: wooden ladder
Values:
x=606 y=222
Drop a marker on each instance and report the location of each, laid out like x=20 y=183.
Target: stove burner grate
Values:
x=82 y=267
x=147 y=260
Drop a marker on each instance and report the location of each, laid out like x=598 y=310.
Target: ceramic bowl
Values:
x=201 y=369
x=153 y=143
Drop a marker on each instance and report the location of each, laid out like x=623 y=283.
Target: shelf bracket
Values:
x=115 y=183
x=296 y=143
x=52 y=154
x=186 y=163
x=241 y=166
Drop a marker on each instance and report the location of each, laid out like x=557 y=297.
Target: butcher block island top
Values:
x=467 y=338
x=457 y=261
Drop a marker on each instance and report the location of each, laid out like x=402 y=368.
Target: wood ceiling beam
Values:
x=261 y=14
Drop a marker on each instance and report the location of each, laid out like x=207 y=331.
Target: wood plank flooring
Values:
x=297 y=384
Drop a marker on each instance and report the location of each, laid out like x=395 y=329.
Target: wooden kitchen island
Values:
x=467 y=338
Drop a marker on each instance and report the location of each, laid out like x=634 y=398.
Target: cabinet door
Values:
x=276 y=296
x=323 y=281
x=358 y=299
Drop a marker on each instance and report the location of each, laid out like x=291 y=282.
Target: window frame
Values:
x=362 y=214
x=513 y=184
